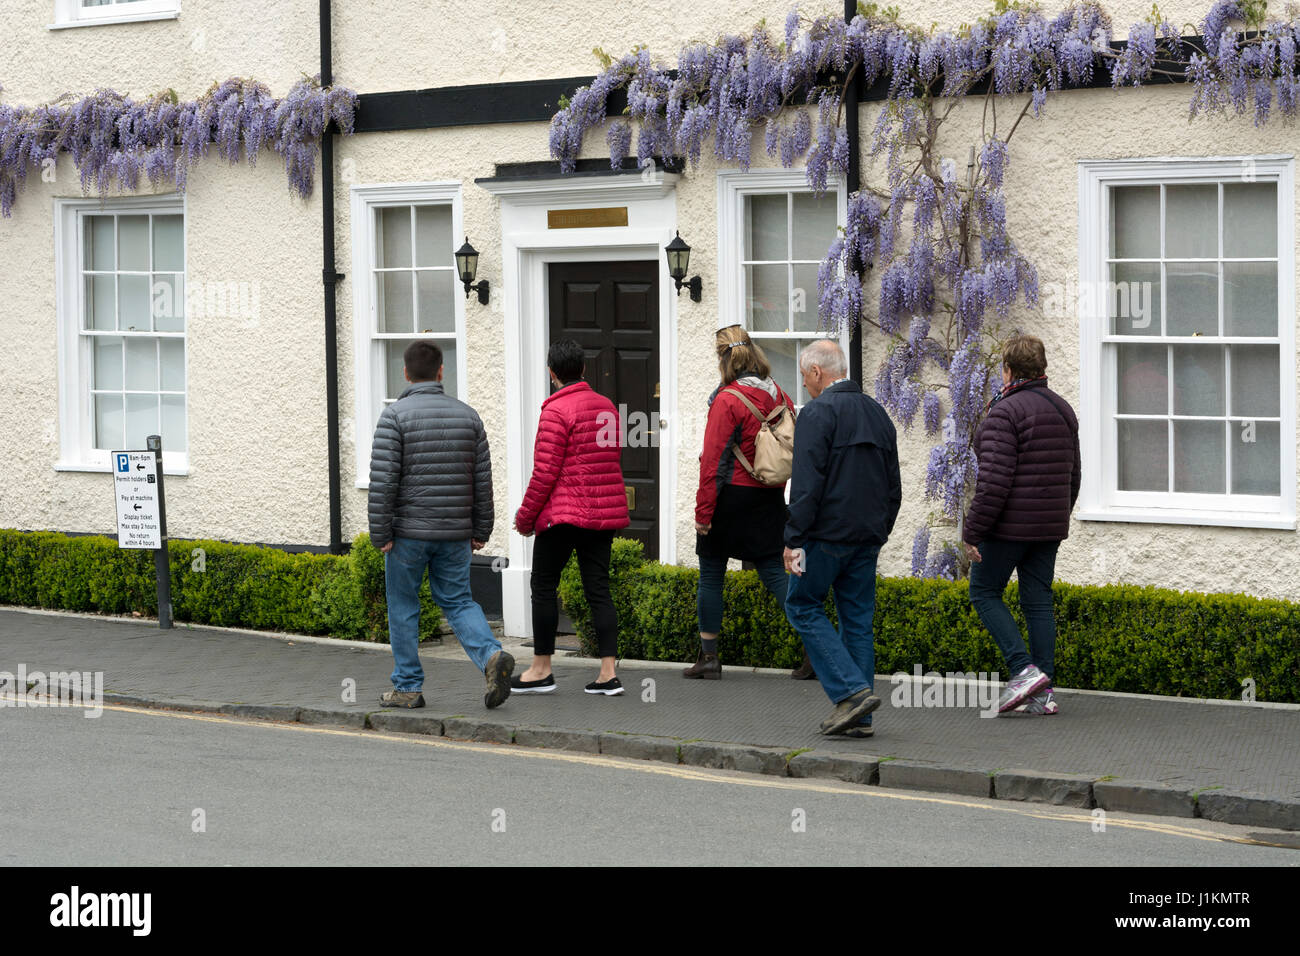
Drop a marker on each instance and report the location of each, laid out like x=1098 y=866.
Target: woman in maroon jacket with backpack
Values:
x=574 y=502
x=736 y=515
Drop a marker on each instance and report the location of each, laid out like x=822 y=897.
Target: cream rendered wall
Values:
x=266 y=383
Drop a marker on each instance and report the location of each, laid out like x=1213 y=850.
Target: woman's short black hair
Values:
x=566 y=360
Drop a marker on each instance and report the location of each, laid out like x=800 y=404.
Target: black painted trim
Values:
x=537 y=101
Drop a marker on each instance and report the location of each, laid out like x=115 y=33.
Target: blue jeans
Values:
x=448 y=565
x=1035 y=564
x=845 y=661
x=708 y=597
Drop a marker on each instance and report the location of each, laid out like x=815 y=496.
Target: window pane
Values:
x=783 y=356
x=1143 y=455
x=1133 y=298
x=1199 y=457
x=450 y=383
x=1256 y=384
x=101 y=299
x=108 y=362
x=1256 y=458
x=108 y=422
x=1250 y=298
x=394 y=237
x=168 y=243
x=133 y=243
x=1135 y=222
x=1143 y=379
x=816 y=223
x=394 y=380
x=134 y=307
x=141 y=364
x=141 y=419
x=805 y=300
x=171 y=358
x=98 y=243
x=1198 y=380
x=1249 y=219
x=173 y=432
x=1191 y=222
x=396 y=310
x=766 y=233
x=433 y=242
x=1193 y=298
x=436 y=303
x=169 y=303
x=767 y=298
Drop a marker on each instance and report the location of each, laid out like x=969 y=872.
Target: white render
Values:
x=256 y=470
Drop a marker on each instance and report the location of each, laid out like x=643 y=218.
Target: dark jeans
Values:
x=550 y=554
x=844 y=659
x=1035 y=564
x=708 y=599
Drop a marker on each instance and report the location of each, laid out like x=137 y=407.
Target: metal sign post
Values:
x=142 y=513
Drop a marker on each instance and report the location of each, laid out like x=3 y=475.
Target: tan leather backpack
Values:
x=773 y=445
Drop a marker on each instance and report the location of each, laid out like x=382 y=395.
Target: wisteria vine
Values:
x=948 y=275
x=115 y=141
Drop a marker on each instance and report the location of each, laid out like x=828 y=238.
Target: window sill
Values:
x=1221 y=519
x=180 y=472
x=125 y=18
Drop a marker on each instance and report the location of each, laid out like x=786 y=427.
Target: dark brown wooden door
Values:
x=612 y=309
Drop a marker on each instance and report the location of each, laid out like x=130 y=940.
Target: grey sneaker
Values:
x=1028 y=682
x=1040 y=705
x=409 y=699
x=499 y=669
x=849 y=711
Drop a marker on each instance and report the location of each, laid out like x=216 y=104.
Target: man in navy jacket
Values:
x=844 y=497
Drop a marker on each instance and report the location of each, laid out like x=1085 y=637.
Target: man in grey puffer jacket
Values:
x=430 y=507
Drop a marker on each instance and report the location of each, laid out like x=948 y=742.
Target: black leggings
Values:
x=550 y=554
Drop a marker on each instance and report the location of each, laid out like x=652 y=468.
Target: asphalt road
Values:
x=138 y=787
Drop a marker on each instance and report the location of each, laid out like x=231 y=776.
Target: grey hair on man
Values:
x=826 y=355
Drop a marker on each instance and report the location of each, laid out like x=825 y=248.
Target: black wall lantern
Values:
x=679 y=259
x=467 y=266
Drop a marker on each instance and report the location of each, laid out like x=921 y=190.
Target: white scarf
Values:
x=753 y=381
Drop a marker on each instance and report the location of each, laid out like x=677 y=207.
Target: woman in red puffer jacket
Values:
x=574 y=502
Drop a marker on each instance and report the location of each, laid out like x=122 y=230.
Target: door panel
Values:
x=612 y=310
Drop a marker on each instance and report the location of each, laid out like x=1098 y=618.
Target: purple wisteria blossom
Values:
x=948 y=278
x=116 y=142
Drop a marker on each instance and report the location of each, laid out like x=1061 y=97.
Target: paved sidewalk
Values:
x=1173 y=751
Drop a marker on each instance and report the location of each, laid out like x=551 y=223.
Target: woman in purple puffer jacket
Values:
x=1029 y=470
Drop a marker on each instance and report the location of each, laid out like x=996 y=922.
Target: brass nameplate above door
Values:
x=586 y=218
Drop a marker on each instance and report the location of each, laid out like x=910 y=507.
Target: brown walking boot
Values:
x=706 y=667
x=804 y=671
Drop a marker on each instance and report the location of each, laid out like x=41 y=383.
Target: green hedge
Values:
x=229 y=585
x=1116 y=637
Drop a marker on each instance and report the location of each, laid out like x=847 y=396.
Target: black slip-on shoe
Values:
x=544 y=686
x=498 y=672
x=610 y=688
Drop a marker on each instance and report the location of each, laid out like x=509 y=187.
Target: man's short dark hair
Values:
x=422 y=360
x=566 y=360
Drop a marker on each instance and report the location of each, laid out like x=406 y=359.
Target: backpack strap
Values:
x=735 y=448
x=1060 y=411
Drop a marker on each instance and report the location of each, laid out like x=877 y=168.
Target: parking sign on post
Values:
x=142 y=515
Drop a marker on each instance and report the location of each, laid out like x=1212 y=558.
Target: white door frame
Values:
x=527 y=247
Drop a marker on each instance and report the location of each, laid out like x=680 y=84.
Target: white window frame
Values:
x=733 y=188
x=368 y=371
x=1099 y=498
x=76 y=416
x=71 y=13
